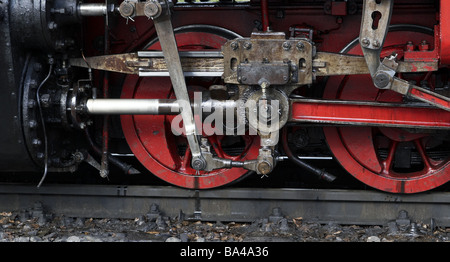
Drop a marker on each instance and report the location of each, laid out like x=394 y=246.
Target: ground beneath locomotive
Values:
x=36 y=225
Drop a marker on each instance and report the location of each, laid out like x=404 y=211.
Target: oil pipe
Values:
x=321 y=174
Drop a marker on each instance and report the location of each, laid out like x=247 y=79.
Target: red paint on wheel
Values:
x=151 y=139
x=358 y=148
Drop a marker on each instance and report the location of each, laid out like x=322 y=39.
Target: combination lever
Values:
x=159 y=11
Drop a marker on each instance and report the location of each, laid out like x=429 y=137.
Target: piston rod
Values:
x=118 y=106
x=132 y=106
x=95 y=9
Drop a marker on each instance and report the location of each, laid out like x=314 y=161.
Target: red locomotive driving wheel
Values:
x=390 y=159
x=151 y=139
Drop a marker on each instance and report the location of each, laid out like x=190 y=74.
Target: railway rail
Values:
x=363 y=207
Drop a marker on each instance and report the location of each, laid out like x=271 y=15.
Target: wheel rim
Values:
x=390 y=159
x=151 y=139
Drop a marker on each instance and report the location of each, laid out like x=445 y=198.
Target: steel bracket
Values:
x=271 y=56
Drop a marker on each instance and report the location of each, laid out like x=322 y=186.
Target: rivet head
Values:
x=365 y=42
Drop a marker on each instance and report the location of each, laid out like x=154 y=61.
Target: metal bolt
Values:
x=234 y=45
x=36 y=142
x=52 y=25
x=365 y=42
x=78 y=157
x=413 y=230
x=37 y=67
x=424 y=46
x=409 y=46
x=152 y=9
x=198 y=164
x=126 y=9
x=264 y=83
x=45 y=100
x=247 y=45
x=286 y=46
x=32 y=124
x=204 y=141
x=103 y=173
x=376 y=43
x=382 y=80
x=40 y=155
x=32 y=84
x=31 y=103
x=300 y=46
x=264 y=167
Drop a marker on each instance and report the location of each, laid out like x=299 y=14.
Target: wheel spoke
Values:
x=423 y=154
x=355 y=153
x=248 y=140
x=359 y=141
x=214 y=141
x=185 y=160
x=387 y=164
x=151 y=138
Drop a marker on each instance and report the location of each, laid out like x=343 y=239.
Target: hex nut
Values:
x=152 y=9
x=126 y=9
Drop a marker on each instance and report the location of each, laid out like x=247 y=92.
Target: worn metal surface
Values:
x=164 y=28
x=421 y=94
x=152 y=63
x=424 y=52
x=231 y=204
x=376 y=17
x=275 y=73
x=121 y=63
x=264 y=51
x=211 y=63
x=374 y=28
x=329 y=64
